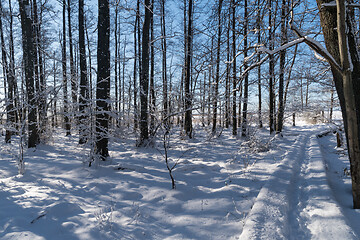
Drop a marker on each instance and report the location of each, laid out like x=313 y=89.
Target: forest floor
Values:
x=295 y=186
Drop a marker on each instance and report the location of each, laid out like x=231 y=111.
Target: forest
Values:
x=163 y=119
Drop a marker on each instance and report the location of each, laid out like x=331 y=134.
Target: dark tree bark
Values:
x=65 y=88
x=271 y=71
x=84 y=86
x=72 y=63
x=217 y=74
x=227 y=80
x=246 y=77
x=103 y=80
x=117 y=63
x=144 y=80
x=280 y=117
x=341 y=44
x=136 y=58
x=233 y=23
x=28 y=53
x=152 y=74
x=8 y=77
x=164 y=66
x=12 y=67
x=258 y=26
x=39 y=69
x=187 y=80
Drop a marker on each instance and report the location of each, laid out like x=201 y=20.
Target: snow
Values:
x=290 y=187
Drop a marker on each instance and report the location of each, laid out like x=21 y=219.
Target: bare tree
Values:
x=188 y=99
x=28 y=53
x=217 y=74
x=84 y=86
x=233 y=24
x=103 y=80
x=65 y=88
x=144 y=80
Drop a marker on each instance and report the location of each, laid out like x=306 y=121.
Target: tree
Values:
x=144 y=80
x=258 y=25
x=233 y=22
x=9 y=78
x=246 y=77
x=271 y=70
x=164 y=65
x=152 y=73
x=136 y=57
x=188 y=100
x=65 y=92
x=103 y=80
x=280 y=117
x=341 y=44
x=72 y=63
x=84 y=86
x=217 y=74
x=28 y=53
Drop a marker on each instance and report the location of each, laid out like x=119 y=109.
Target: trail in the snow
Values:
x=297 y=202
x=297 y=224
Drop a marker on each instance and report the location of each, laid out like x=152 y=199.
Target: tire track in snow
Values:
x=296 y=202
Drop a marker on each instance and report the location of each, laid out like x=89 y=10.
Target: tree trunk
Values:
x=280 y=117
x=233 y=22
x=12 y=68
x=258 y=25
x=103 y=80
x=72 y=63
x=28 y=53
x=10 y=110
x=188 y=99
x=246 y=77
x=271 y=71
x=84 y=86
x=144 y=80
x=341 y=44
x=227 y=81
x=217 y=73
x=65 y=87
x=164 y=65
x=116 y=62
x=136 y=57
x=152 y=74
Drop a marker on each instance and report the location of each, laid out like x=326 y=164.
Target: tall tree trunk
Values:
x=84 y=86
x=72 y=63
x=65 y=88
x=217 y=74
x=258 y=26
x=10 y=110
x=341 y=44
x=227 y=80
x=144 y=80
x=246 y=77
x=116 y=62
x=280 y=117
x=187 y=80
x=152 y=74
x=28 y=53
x=54 y=115
x=164 y=65
x=136 y=58
x=271 y=71
x=103 y=80
x=233 y=23
x=12 y=67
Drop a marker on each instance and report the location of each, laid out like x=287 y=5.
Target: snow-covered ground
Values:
x=291 y=187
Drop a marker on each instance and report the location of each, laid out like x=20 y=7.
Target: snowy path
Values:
x=226 y=188
x=297 y=202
